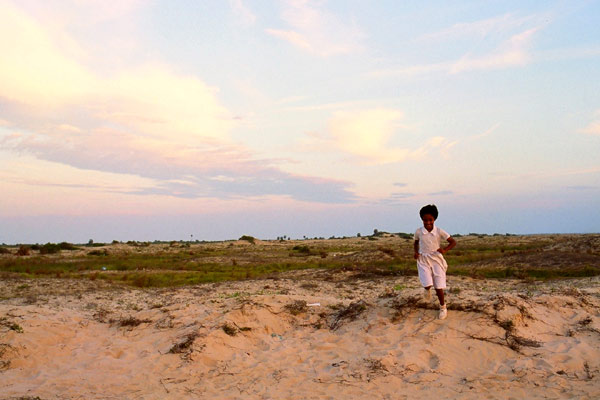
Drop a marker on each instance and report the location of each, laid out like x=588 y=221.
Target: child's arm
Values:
x=449 y=247
x=416 y=247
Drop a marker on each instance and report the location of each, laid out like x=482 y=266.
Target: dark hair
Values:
x=430 y=209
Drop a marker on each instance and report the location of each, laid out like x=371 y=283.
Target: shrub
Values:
x=249 y=239
x=302 y=249
x=23 y=250
x=50 y=248
x=66 y=246
x=229 y=329
x=98 y=253
x=4 y=250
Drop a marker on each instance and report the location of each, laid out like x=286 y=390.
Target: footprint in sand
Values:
x=434 y=361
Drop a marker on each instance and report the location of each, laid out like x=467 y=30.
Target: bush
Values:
x=23 y=250
x=49 y=248
x=98 y=253
x=66 y=246
x=302 y=249
x=249 y=239
x=4 y=250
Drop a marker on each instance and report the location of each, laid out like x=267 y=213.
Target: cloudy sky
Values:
x=143 y=120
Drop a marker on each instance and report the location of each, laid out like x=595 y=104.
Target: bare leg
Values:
x=427 y=294
x=440 y=295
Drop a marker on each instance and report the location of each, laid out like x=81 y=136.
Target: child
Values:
x=429 y=255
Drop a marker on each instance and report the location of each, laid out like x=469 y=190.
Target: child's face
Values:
x=428 y=222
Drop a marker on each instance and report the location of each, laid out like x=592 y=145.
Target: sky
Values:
x=208 y=120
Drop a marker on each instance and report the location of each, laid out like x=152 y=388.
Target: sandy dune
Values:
x=368 y=338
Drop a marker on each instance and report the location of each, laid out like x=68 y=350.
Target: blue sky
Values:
x=165 y=119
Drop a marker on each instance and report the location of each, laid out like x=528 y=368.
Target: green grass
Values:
x=175 y=265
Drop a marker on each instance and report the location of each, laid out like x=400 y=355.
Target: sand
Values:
x=304 y=335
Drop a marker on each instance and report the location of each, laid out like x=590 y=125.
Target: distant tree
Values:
x=248 y=238
x=358 y=234
x=90 y=242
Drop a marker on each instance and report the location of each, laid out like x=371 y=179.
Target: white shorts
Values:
x=432 y=270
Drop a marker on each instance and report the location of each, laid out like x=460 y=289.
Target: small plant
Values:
x=229 y=329
x=13 y=326
x=296 y=307
x=349 y=313
x=130 y=321
x=184 y=345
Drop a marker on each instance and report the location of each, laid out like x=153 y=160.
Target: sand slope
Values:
x=259 y=340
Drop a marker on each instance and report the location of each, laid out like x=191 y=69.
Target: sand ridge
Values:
x=366 y=338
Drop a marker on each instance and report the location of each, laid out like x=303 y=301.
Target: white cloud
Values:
x=145 y=120
x=295 y=38
x=494 y=43
x=242 y=12
x=480 y=29
x=487 y=132
x=593 y=128
x=316 y=30
x=367 y=136
x=512 y=53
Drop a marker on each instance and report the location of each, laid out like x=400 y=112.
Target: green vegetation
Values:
x=249 y=239
x=13 y=326
x=165 y=264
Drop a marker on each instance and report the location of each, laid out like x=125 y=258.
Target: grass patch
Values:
x=13 y=326
x=229 y=329
x=296 y=307
x=184 y=345
x=164 y=265
x=349 y=313
x=129 y=322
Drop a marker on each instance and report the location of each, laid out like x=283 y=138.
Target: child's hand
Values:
x=442 y=251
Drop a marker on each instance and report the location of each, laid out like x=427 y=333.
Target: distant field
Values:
x=184 y=263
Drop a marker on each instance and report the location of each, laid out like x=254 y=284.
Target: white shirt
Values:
x=429 y=242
